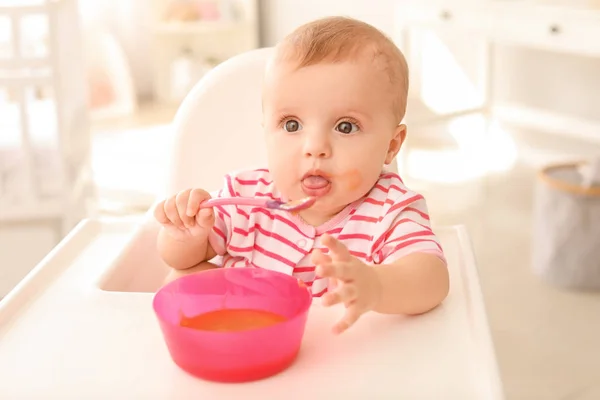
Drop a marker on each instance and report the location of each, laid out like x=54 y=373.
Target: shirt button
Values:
x=301 y=243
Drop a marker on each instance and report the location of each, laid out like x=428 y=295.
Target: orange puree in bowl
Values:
x=232 y=320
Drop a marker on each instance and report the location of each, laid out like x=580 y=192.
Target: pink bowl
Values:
x=233 y=356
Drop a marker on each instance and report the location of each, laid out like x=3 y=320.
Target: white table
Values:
x=62 y=337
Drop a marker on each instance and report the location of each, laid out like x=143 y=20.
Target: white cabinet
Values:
x=565 y=29
x=558 y=29
x=190 y=37
x=445 y=14
x=555 y=28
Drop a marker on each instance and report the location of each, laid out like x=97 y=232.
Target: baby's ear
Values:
x=395 y=143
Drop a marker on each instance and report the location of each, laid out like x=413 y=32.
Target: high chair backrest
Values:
x=218 y=125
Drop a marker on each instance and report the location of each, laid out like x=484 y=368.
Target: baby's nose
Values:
x=317 y=146
x=322 y=154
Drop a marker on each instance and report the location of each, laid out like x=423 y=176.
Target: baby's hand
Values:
x=357 y=284
x=182 y=217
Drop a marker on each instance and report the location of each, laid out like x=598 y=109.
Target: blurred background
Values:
x=499 y=89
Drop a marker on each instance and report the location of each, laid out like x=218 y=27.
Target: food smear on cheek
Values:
x=232 y=320
x=351 y=179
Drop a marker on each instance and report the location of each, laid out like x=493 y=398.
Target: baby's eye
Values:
x=346 y=127
x=292 y=125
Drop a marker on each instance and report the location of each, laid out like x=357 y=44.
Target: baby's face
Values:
x=329 y=130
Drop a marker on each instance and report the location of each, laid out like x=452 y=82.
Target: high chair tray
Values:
x=62 y=337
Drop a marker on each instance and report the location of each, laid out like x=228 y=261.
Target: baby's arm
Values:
x=413 y=284
x=183 y=254
x=411 y=265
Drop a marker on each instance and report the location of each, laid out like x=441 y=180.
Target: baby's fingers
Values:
x=350 y=317
x=182 y=200
x=205 y=218
x=345 y=293
x=343 y=271
x=159 y=213
x=320 y=258
x=197 y=197
x=172 y=213
x=339 y=251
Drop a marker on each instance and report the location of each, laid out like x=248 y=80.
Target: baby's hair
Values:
x=338 y=39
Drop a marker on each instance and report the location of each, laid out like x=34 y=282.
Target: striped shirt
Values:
x=388 y=223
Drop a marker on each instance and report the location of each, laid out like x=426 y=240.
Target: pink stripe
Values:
x=382 y=188
x=274 y=256
x=321 y=293
x=303 y=269
x=270 y=234
x=221 y=210
x=252 y=182
x=421 y=213
x=220 y=233
x=390 y=175
x=307 y=283
x=241 y=260
x=230 y=185
x=273 y=217
x=390 y=232
x=241 y=249
x=411 y=242
x=364 y=218
x=358 y=254
x=261 y=250
x=371 y=200
x=410 y=235
x=387 y=189
x=362 y=236
x=243 y=214
x=242 y=232
x=404 y=203
x=398 y=188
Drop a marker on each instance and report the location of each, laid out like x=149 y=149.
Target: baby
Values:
x=334 y=96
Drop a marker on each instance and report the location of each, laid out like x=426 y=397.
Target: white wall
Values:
x=556 y=82
x=279 y=17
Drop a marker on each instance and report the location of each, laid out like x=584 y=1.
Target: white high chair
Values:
x=84 y=313
x=218 y=126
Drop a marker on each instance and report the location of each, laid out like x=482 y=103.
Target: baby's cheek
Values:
x=352 y=179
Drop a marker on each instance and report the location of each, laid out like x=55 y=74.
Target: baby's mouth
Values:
x=316 y=184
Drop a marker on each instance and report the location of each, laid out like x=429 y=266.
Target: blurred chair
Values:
x=218 y=126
